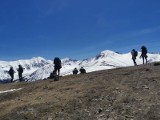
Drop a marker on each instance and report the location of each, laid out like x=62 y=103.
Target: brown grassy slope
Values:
x=131 y=93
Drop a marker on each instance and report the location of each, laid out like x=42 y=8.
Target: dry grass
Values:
x=131 y=93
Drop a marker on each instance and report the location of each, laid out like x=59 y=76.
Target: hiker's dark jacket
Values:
x=57 y=63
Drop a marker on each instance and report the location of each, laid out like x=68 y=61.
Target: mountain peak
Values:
x=108 y=52
x=38 y=58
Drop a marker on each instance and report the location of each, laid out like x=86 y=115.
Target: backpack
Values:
x=82 y=70
x=136 y=53
x=144 y=50
x=57 y=61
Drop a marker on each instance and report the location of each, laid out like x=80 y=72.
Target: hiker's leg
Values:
x=134 y=61
x=58 y=72
x=11 y=78
x=146 y=60
x=143 y=59
x=20 y=77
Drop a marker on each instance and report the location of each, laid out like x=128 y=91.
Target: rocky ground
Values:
x=131 y=93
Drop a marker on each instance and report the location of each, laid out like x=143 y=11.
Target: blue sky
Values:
x=76 y=29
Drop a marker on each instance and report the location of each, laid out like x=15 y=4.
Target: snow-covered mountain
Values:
x=29 y=66
x=40 y=68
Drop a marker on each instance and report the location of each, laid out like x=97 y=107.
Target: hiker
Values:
x=134 y=54
x=20 y=71
x=11 y=73
x=144 y=53
x=57 y=65
x=75 y=71
x=82 y=70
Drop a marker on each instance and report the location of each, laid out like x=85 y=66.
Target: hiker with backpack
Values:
x=11 y=73
x=75 y=71
x=82 y=70
x=134 y=54
x=57 y=65
x=144 y=53
x=20 y=71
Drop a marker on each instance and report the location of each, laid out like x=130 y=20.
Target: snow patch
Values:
x=11 y=90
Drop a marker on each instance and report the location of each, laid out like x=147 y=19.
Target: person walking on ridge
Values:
x=144 y=53
x=57 y=65
x=134 y=54
x=11 y=73
x=20 y=71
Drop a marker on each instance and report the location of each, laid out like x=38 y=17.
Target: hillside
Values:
x=129 y=93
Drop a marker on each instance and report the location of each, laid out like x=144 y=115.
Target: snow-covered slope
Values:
x=39 y=68
x=29 y=66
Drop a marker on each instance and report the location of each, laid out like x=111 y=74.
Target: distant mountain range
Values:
x=40 y=68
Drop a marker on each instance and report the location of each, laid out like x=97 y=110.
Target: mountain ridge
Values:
x=40 y=68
